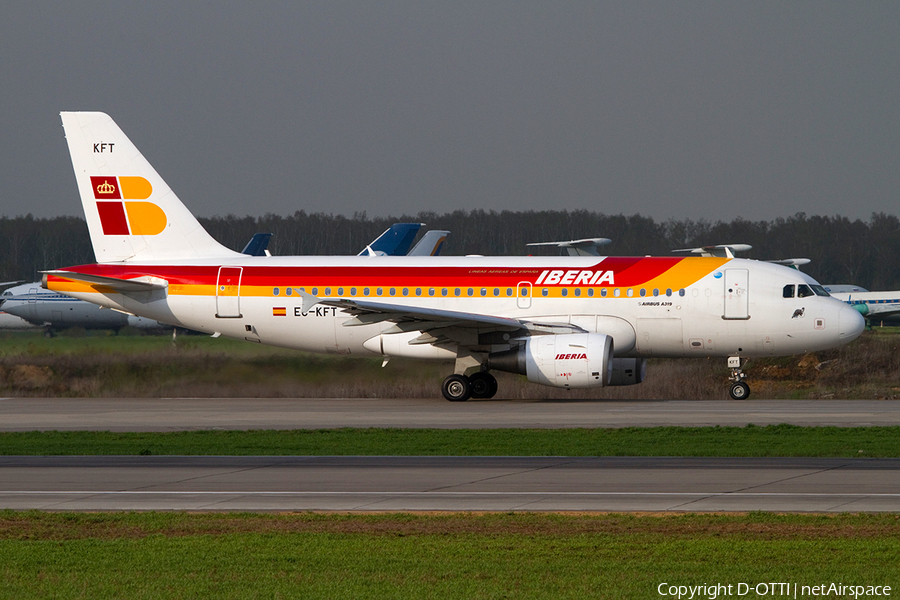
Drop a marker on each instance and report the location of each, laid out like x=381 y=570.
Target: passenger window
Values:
x=788 y=291
x=803 y=291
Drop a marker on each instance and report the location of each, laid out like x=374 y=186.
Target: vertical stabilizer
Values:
x=131 y=213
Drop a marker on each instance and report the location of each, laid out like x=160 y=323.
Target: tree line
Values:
x=865 y=253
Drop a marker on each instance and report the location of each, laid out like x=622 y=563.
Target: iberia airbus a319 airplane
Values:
x=570 y=322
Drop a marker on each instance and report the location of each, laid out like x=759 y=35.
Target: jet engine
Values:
x=572 y=360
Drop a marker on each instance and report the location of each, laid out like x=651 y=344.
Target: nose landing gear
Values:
x=738 y=390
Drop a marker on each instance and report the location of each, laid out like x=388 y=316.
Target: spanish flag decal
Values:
x=127 y=218
x=279 y=311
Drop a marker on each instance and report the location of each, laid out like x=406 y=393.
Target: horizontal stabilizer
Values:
x=139 y=284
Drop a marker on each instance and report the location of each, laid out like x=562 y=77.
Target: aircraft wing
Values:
x=440 y=324
x=139 y=284
x=583 y=247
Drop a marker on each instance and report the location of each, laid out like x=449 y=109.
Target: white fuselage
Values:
x=735 y=307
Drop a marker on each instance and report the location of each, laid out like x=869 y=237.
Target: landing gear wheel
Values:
x=456 y=388
x=484 y=385
x=739 y=391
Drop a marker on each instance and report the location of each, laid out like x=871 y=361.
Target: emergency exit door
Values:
x=737 y=297
x=228 y=293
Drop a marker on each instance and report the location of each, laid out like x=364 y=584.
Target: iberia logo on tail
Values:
x=121 y=217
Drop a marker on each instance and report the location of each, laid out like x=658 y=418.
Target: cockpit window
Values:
x=820 y=291
x=788 y=291
x=804 y=291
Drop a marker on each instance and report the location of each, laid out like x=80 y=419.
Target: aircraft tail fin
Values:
x=132 y=215
x=431 y=243
x=395 y=241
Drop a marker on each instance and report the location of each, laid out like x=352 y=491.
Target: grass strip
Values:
x=156 y=555
x=748 y=441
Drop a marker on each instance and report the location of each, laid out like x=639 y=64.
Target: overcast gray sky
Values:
x=710 y=110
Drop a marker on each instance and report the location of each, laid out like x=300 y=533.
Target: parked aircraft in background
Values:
x=570 y=322
x=395 y=241
x=584 y=247
x=431 y=244
x=54 y=311
x=12 y=322
x=876 y=307
x=258 y=245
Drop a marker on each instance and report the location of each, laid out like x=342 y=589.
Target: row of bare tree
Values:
x=865 y=253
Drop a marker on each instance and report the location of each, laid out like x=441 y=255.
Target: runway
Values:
x=439 y=483
x=174 y=414
x=79 y=483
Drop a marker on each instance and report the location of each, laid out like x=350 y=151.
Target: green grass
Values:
x=771 y=440
x=431 y=556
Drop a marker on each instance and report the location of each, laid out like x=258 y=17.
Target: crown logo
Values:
x=106 y=188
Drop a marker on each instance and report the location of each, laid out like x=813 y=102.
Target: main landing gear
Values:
x=459 y=388
x=739 y=390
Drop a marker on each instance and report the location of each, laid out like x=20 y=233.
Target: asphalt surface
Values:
x=439 y=483
x=174 y=414
x=449 y=484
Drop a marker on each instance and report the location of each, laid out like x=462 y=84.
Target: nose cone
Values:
x=851 y=324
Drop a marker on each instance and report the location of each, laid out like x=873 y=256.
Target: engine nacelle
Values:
x=572 y=360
